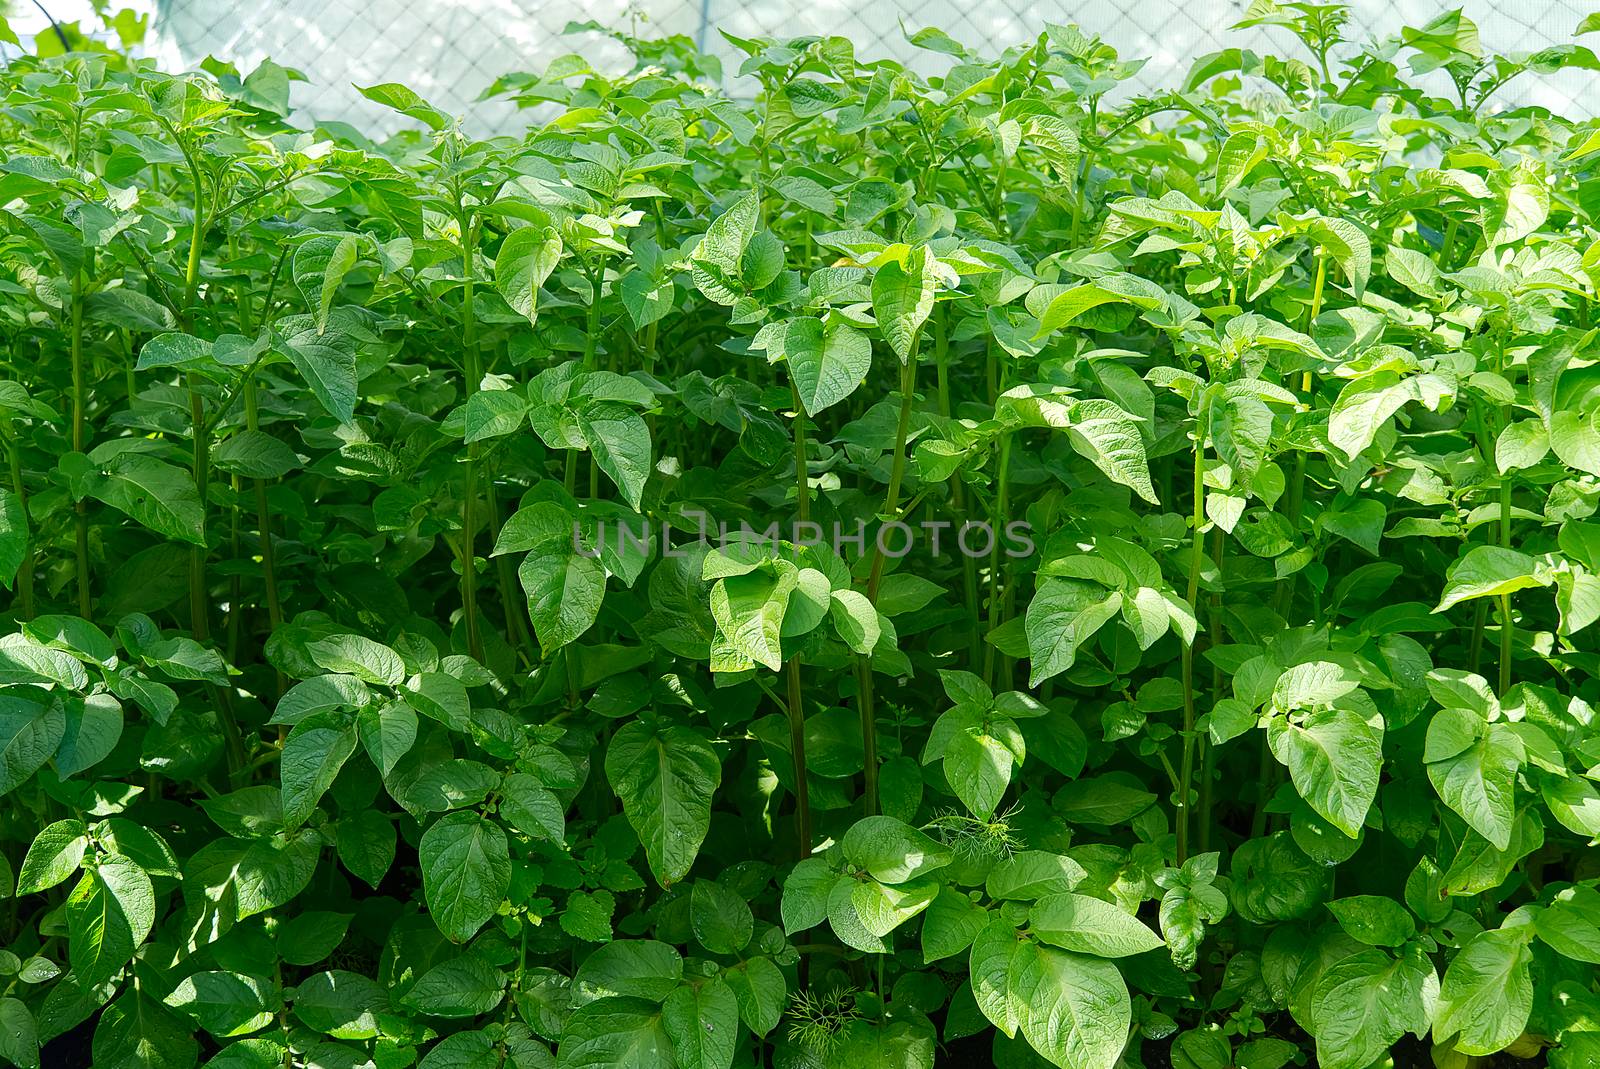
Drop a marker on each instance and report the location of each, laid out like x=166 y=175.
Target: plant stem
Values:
x=25 y=573
x=1196 y=561
x=474 y=375
x=1002 y=502
x=891 y=502
x=796 y=708
x=269 y=572
x=80 y=519
x=1208 y=757
x=797 y=746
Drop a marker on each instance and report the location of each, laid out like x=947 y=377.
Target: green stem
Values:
x=797 y=744
x=1002 y=502
x=1208 y=758
x=269 y=572
x=80 y=398
x=796 y=707
x=469 y=500
x=891 y=503
x=25 y=573
x=1196 y=562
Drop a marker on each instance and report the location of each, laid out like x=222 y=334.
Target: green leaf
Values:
x=902 y=299
x=311 y=937
x=1374 y=920
x=356 y=655
x=620 y=442
x=320 y=265
x=856 y=620
x=406 y=102
x=826 y=360
x=1238 y=157
x=761 y=991
x=1473 y=767
x=565 y=589
x=805 y=895
x=312 y=756
x=1334 y=757
x=1105 y=434
x=341 y=1004
x=255 y=454
x=109 y=914
x=1072 y=1009
x=532 y=809
x=615 y=1033
x=13 y=537
x=1487 y=993
x=326 y=359
x=224 y=1003
x=720 y=919
x=466 y=871
x=527 y=257
x=1364 y=1003
x=19 y=1035
x=1489 y=571
x=1571 y=924
x=492 y=414
x=1063 y=615
x=1348 y=246
x=157 y=495
x=53 y=856
x=892 y=851
x=135 y=1032
x=29 y=735
x=387 y=733
x=1090 y=926
x=665 y=777
x=93 y=728
x=703 y=1023
x=953 y=920
x=749 y=611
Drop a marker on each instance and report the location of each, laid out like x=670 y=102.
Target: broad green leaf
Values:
x=13 y=537
x=53 y=856
x=1489 y=571
x=1072 y=1009
x=320 y=265
x=749 y=610
x=1105 y=434
x=158 y=495
x=665 y=777
x=564 y=589
x=312 y=756
x=1334 y=757
x=326 y=359
x=620 y=442
x=902 y=299
x=892 y=851
x=109 y=914
x=1473 y=767
x=1487 y=993
x=720 y=919
x=826 y=360
x=1090 y=926
x=466 y=870
x=703 y=1023
x=526 y=258
x=1063 y=615
x=1374 y=920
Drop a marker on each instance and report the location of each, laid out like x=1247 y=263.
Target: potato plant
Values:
x=880 y=570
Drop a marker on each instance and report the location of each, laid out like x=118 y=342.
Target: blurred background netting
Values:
x=450 y=50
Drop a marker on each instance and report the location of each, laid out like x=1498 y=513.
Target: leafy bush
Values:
x=1155 y=618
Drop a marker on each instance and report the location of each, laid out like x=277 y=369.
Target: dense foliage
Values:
x=1221 y=690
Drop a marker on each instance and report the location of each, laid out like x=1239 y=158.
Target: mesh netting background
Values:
x=449 y=50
